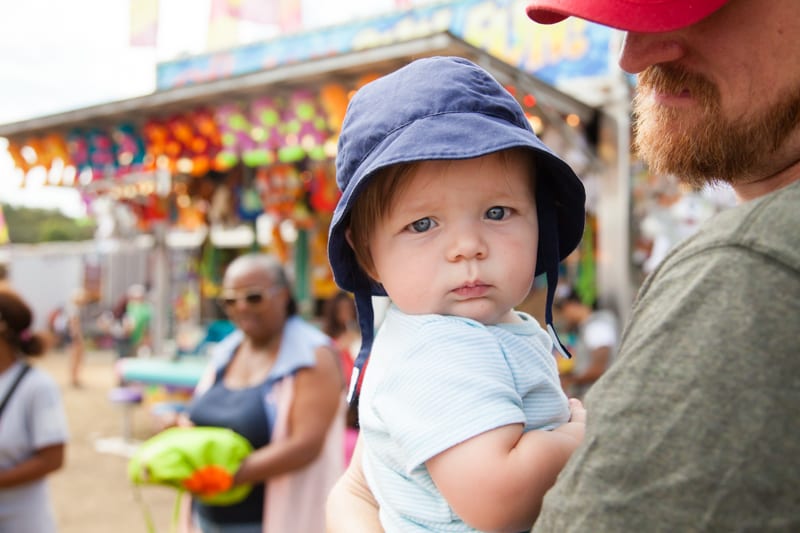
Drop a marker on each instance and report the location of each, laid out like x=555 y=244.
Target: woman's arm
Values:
x=496 y=481
x=41 y=463
x=317 y=397
x=351 y=507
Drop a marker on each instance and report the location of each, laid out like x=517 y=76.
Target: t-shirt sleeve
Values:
x=450 y=387
x=49 y=421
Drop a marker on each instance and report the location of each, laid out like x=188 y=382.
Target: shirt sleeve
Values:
x=49 y=421
x=451 y=386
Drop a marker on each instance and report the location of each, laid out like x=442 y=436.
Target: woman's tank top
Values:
x=241 y=410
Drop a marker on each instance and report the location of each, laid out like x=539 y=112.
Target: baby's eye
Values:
x=497 y=213
x=422 y=225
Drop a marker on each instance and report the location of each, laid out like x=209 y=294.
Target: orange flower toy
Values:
x=201 y=460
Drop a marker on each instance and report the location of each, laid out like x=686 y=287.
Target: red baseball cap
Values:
x=644 y=16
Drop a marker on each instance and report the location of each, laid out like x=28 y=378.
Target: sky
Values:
x=60 y=55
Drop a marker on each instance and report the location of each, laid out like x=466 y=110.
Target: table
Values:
x=181 y=373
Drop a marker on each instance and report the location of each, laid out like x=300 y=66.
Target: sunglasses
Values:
x=251 y=297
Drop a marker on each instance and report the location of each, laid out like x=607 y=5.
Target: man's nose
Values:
x=641 y=50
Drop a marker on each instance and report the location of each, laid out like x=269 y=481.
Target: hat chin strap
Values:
x=366 y=323
x=548 y=255
x=552 y=282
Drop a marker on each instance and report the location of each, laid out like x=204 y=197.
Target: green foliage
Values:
x=30 y=226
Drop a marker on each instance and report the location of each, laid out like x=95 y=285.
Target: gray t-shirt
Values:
x=695 y=426
x=33 y=419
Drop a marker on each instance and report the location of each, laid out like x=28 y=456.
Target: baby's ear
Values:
x=348 y=236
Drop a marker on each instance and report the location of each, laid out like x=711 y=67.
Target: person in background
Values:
x=694 y=426
x=112 y=323
x=33 y=425
x=341 y=325
x=75 y=311
x=596 y=338
x=275 y=380
x=136 y=320
x=450 y=206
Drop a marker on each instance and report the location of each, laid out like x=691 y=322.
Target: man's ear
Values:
x=370 y=270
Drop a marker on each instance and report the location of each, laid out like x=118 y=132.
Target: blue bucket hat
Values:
x=443 y=108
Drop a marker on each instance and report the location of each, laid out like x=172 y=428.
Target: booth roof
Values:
x=316 y=72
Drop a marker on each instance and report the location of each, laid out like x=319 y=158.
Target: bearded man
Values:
x=695 y=426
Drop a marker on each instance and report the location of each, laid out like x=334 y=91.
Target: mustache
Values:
x=673 y=79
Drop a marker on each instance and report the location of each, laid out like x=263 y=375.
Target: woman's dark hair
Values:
x=332 y=326
x=16 y=319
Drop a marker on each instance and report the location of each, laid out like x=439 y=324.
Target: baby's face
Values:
x=460 y=239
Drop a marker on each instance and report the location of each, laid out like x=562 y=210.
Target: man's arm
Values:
x=351 y=507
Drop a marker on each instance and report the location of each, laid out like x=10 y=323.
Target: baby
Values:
x=450 y=206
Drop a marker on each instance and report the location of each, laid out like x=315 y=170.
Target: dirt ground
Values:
x=91 y=494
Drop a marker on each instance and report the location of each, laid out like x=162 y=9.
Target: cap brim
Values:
x=454 y=138
x=645 y=16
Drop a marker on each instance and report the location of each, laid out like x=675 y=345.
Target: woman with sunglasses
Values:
x=276 y=380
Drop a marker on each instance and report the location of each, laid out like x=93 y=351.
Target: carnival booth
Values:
x=212 y=169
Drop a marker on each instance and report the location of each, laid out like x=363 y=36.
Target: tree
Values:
x=30 y=226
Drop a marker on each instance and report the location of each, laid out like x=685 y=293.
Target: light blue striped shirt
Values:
x=434 y=381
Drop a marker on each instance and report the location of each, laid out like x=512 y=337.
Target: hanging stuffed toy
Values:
x=205 y=143
x=265 y=117
x=101 y=152
x=333 y=98
x=130 y=148
x=54 y=148
x=234 y=128
x=323 y=192
x=157 y=137
x=78 y=149
x=15 y=151
x=304 y=129
x=221 y=210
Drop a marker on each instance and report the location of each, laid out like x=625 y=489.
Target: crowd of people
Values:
x=467 y=417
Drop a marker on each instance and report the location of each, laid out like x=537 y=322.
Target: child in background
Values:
x=450 y=206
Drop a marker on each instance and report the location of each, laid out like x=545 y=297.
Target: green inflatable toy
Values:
x=201 y=460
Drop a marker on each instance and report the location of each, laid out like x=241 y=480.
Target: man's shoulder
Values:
x=766 y=225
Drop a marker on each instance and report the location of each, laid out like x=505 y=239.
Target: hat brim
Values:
x=646 y=16
x=452 y=136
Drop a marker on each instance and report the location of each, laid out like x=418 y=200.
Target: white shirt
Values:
x=34 y=418
x=434 y=381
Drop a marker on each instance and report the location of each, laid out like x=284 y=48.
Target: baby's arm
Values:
x=496 y=480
